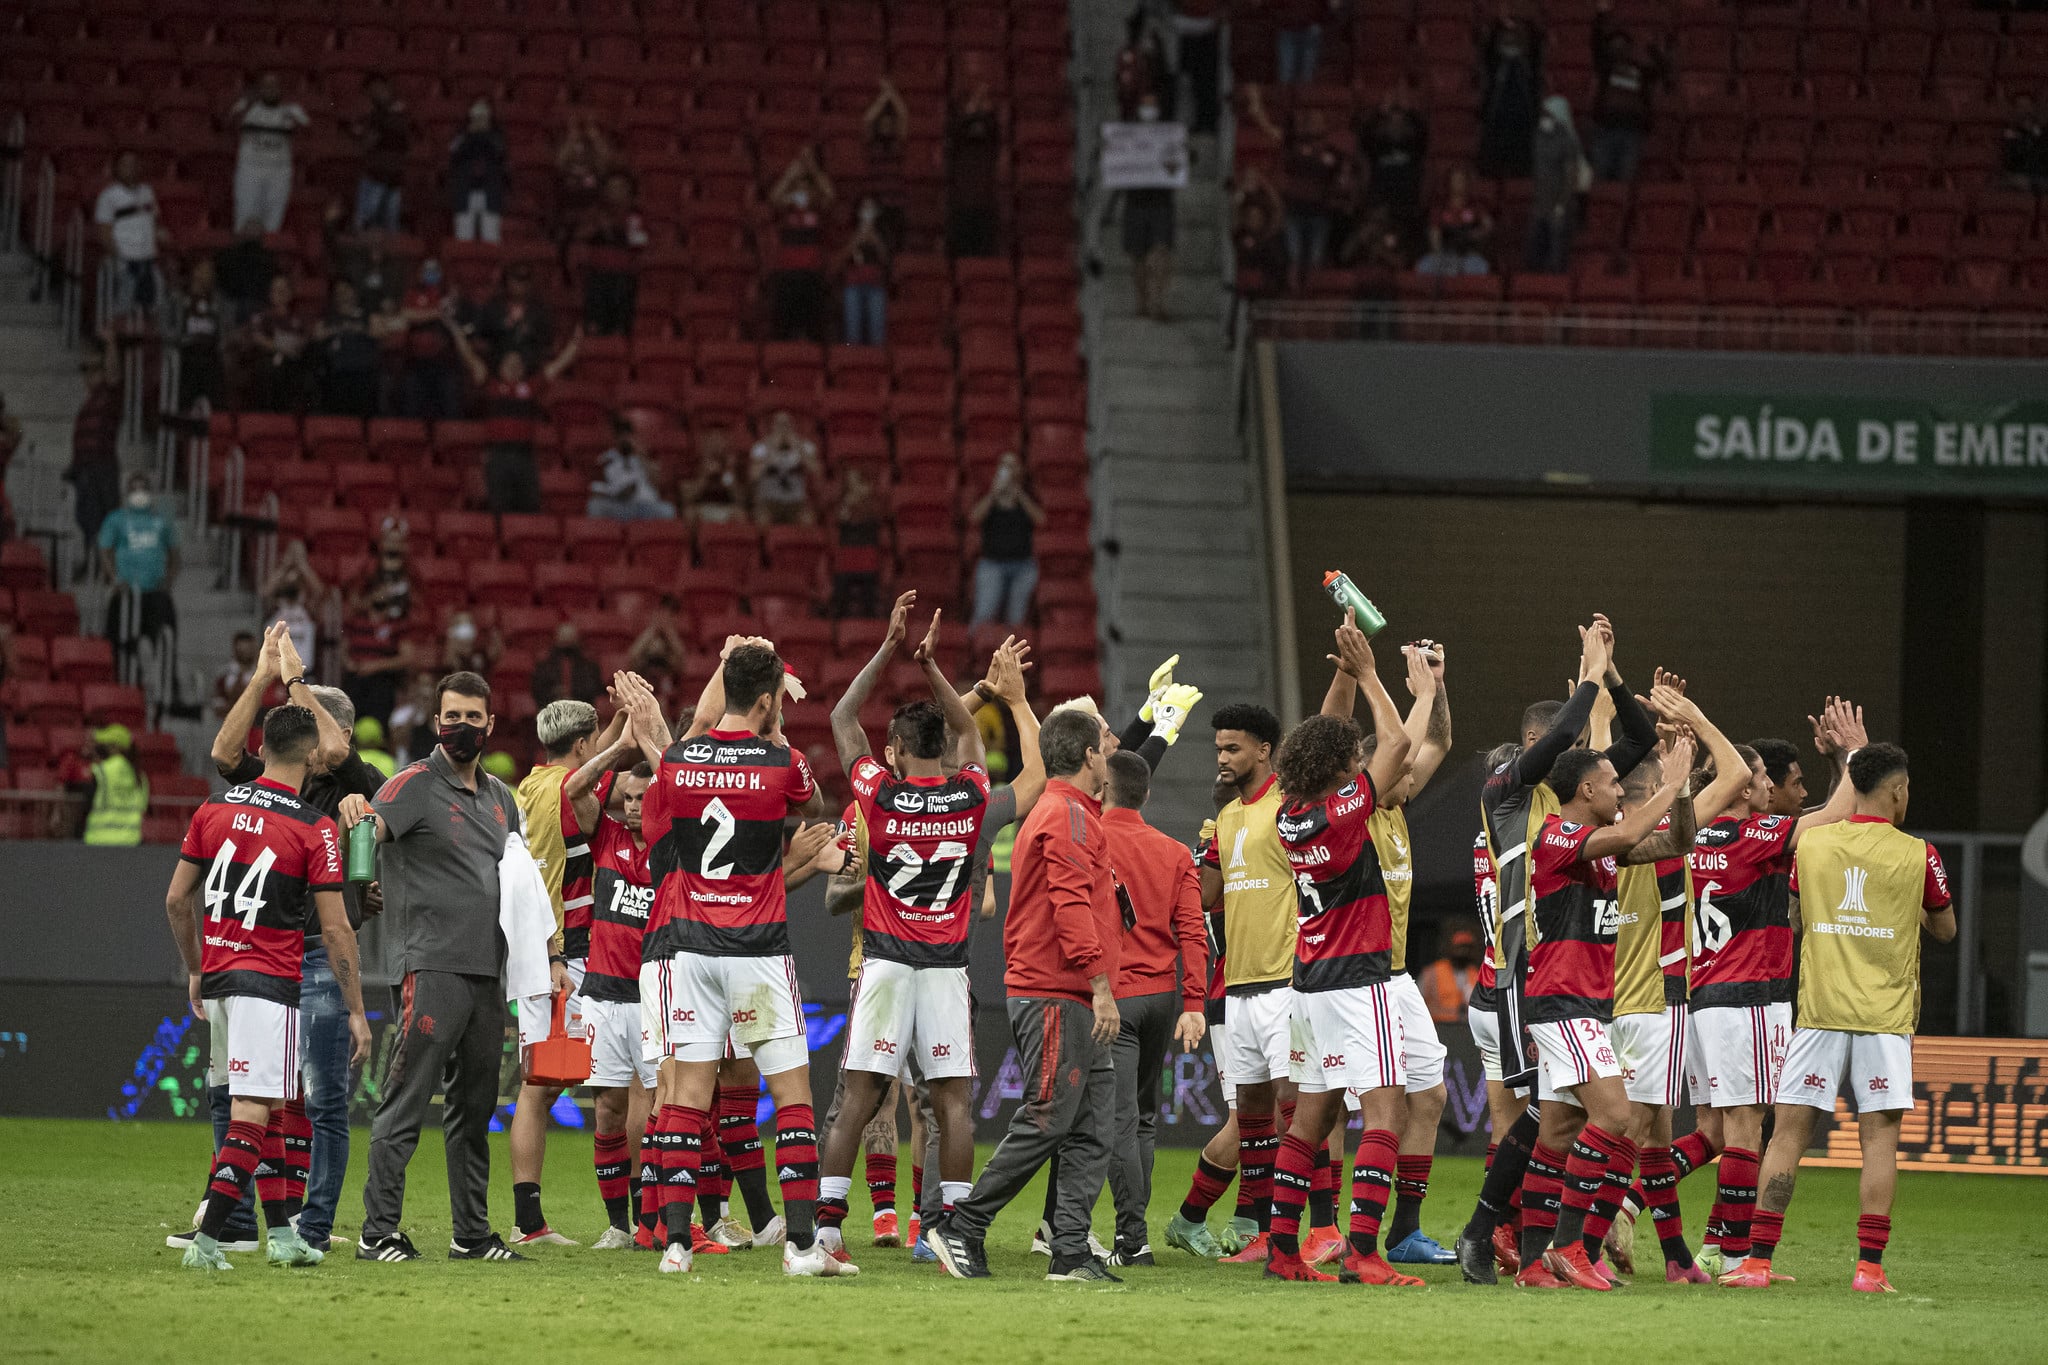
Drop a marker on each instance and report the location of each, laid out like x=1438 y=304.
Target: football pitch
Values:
x=86 y=1205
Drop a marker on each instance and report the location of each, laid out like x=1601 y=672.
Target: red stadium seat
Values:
x=81 y=659
x=499 y=583
x=112 y=704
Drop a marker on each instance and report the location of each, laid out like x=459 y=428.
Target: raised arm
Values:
x=966 y=746
x=1390 y=753
x=1842 y=720
x=806 y=853
x=1620 y=839
x=1595 y=653
x=333 y=741
x=1674 y=842
x=232 y=741
x=646 y=729
x=471 y=361
x=847 y=735
x=1008 y=675
x=1731 y=774
x=581 y=788
x=565 y=357
x=1429 y=720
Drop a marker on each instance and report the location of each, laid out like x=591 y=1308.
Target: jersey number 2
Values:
x=723 y=824
x=248 y=894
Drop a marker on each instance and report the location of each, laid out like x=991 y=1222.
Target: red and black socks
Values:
x=270 y=1174
x=1411 y=1187
x=647 y=1192
x=1322 y=1190
x=1592 y=1154
x=739 y=1135
x=608 y=1154
x=880 y=1168
x=1873 y=1231
x=234 y=1168
x=1542 y=1196
x=1737 y=1193
x=1205 y=1189
x=1765 y=1228
x=682 y=1134
x=1372 y=1176
x=714 y=1176
x=298 y=1155
x=1292 y=1176
x=1621 y=1166
x=1660 y=1201
x=1505 y=1168
x=796 y=1167
x=1257 y=1143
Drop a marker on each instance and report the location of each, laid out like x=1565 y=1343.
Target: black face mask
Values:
x=462 y=740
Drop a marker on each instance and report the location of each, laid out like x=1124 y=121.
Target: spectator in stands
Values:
x=583 y=159
x=613 y=238
x=1561 y=174
x=626 y=487
x=974 y=145
x=1148 y=234
x=479 y=176
x=1378 y=253
x=468 y=648
x=412 y=719
x=1313 y=173
x=430 y=372
x=115 y=792
x=1459 y=232
x=369 y=736
x=1007 y=572
x=1297 y=38
x=1257 y=238
x=350 y=357
x=657 y=652
x=2025 y=146
x=375 y=653
x=384 y=133
x=566 y=672
x=1142 y=69
x=198 y=326
x=863 y=281
x=1447 y=982
x=233 y=679
x=885 y=128
x=780 y=462
x=857 y=558
x=130 y=233
x=245 y=268
x=360 y=257
x=719 y=491
x=139 y=555
x=1625 y=81
x=263 y=162
x=516 y=318
x=290 y=594
x=276 y=345
x=1511 y=84
x=513 y=401
x=796 y=251
x=1199 y=26
x=1393 y=141
x=95 y=469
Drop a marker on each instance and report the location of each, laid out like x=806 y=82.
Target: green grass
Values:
x=84 y=1274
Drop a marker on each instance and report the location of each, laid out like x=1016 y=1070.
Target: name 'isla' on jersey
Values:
x=264 y=852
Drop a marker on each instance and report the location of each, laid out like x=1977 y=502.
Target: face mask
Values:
x=802 y=199
x=463 y=741
x=431 y=277
x=462 y=632
x=1148 y=113
x=139 y=500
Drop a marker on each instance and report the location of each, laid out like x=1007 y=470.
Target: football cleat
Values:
x=702 y=1243
x=1254 y=1252
x=731 y=1233
x=1538 y=1276
x=1285 y=1267
x=1237 y=1234
x=1674 y=1273
x=198 y=1257
x=774 y=1235
x=1620 y=1242
x=1507 y=1249
x=228 y=1241
x=1138 y=1255
x=914 y=1232
x=1609 y=1274
x=1090 y=1271
x=395 y=1246
x=675 y=1260
x=545 y=1234
x=921 y=1252
x=1041 y=1239
x=1870 y=1279
x=1193 y=1238
x=834 y=1242
x=964 y=1258
x=1323 y=1245
x=887 y=1233
x=1747 y=1273
x=1710 y=1259
x=643 y=1238
x=1570 y=1265
x=288 y=1248
x=1476 y=1261
x=1419 y=1248
x=613 y=1239
x=815 y=1262
x=491 y=1248
x=1373 y=1269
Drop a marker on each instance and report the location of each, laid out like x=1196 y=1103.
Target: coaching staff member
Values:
x=1061 y=944
x=442 y=824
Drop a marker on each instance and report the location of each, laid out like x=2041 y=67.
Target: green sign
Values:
x=1880 y=444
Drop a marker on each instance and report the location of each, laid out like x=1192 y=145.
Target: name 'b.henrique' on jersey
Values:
x=1346 y=924
x=713 y=821
x=264 y=852
x=921 y=835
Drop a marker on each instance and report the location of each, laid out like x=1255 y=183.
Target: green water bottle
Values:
x=362 y=850
x=1363 y=613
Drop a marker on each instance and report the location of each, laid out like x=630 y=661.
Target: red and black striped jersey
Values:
x=922 y=833
x=1346 y=934
x=1486 y=893
x=1571 y=963
x=1674 y=901
x=713 y=822
x=578 y=874
x=1742 y=901
x=622 y=897
x=265 y=853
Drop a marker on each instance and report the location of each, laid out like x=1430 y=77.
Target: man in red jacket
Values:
x=1061 y=944
x=1159 y=874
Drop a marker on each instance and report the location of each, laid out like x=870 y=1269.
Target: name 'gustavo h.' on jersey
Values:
x=922 y=832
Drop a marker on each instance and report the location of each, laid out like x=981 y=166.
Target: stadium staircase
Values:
x=1180 y=564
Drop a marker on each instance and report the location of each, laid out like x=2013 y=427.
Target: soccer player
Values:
x=717 y=943
x=1512 y=807
x=1740 y=1017
x=1866 y=890
x=568 y=732
x=1245 y=872
x=1569 y=1002
x=1346 y=1029
x=1428 y=727
x=912 y=997
x=1482 y=1008
x=270 y=863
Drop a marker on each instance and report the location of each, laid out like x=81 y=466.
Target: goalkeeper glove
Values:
x=1171 y=707
x=1161 y=679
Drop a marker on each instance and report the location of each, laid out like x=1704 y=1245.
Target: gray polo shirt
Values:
x=440 y=869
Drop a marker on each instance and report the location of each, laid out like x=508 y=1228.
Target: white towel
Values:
x=527 y=920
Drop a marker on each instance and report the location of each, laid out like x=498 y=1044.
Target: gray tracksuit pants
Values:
x=1140 y=1053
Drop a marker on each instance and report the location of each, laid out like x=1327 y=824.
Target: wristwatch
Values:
x=299 y=681
x=983 y=690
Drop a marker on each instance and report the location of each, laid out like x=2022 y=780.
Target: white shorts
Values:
x=618 y=1052
x=900 y=1011
x=1485 y=1026
x=1216 y=1035
x=1652 y=1052
x=254 y=1047
x=1734 y=1053
x=1421 y=1050
x=1256 y=1047
x=575 y=1017
x=1569 y=1053
x=1347 y=1040
x=1875 y=1070
x=700 y=1000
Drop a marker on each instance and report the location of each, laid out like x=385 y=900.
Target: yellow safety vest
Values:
x=119 y=798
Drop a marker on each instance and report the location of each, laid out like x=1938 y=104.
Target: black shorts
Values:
x=1148 y=221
